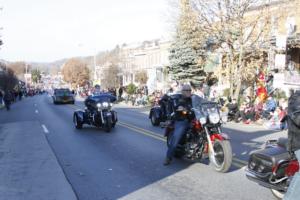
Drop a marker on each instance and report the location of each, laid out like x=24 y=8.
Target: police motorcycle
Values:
x=98 y=112
x=204 y=137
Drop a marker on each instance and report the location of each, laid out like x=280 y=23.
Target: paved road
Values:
x=127 y=163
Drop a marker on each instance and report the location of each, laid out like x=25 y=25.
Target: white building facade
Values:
x=150 y=56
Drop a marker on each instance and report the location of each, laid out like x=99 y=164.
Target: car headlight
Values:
x=202 y=120
x=214 y=118
x=110 y=104
x=99 y=105
x=105 y=104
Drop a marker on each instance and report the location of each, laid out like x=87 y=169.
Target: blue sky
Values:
x=47 y=30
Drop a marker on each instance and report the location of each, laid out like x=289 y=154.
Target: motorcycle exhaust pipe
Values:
x=263 y=183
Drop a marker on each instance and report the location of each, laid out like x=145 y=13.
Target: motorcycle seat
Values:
x=283 y=142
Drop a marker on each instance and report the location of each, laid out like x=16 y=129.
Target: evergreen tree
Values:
x=186 y=52
x=36 y=75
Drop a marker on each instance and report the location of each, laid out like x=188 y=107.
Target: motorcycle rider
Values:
x=97 y=90
x=180 y=124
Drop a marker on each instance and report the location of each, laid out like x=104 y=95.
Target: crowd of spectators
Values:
x=269 y=113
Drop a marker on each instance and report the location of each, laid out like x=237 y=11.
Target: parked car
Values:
x=63 y=96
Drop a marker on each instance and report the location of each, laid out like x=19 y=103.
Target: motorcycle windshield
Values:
x=104 y=98
x=204 y=108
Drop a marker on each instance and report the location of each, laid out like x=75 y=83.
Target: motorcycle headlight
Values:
x=202 y=120
x=99 y=105
x=214 y=118
x=105 y=104
x=110 y=104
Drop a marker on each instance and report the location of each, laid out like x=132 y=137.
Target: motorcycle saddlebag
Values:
x=263 y=161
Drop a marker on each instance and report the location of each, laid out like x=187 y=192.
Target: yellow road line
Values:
x=235 y=161
x=142 y=132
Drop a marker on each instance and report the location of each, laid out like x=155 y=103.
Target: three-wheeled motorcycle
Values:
x=98 y=112
x=162 y=109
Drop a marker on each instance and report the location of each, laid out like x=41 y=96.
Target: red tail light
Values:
x=197 y=125
x=292 y=168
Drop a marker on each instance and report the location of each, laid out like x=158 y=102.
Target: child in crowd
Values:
x=274 y=123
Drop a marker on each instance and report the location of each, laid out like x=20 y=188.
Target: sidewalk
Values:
x=28 y=168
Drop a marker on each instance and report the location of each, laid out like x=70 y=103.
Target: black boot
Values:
x=167 y=161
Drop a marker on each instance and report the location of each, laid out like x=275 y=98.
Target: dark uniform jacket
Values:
x=293 y=120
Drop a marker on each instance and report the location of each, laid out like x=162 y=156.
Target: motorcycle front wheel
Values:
x=223 y=155
x=108 y=126
x=278 y=194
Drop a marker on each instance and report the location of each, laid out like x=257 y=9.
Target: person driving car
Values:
x=180 y=124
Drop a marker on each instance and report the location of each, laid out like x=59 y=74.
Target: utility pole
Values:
x=26 y=75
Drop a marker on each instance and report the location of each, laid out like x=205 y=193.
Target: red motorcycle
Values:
x=204 y=137
x=273 y=167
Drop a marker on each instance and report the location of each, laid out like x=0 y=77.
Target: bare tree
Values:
x=141 y=77
x=240 y=31
x=110 y=62
x=19 y=68
x=8 y=80
x=76 y=72
x=110 y=78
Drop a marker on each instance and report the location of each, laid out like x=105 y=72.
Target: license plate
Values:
x=108 y=114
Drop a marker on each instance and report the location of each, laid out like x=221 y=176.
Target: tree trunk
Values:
x=230 y=64
x=239 y=79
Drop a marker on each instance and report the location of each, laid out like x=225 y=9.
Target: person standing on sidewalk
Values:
x=7 y=99
x=1 y=97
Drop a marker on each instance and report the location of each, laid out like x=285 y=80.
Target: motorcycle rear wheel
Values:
x=223 y=155
x=278 y=194
x=154 y=120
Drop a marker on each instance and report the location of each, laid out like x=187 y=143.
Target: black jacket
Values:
x=233 y=107
x=185 y=102
x=293 y=121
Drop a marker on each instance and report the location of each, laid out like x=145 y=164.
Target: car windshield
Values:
x=63 y=92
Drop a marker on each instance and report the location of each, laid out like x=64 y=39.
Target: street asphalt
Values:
x=123 y=164
x=28 y=167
